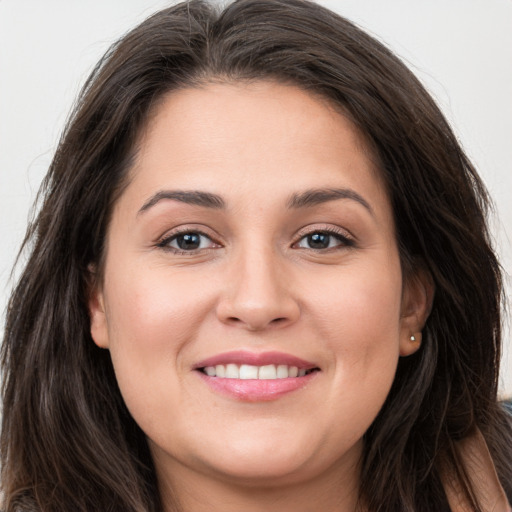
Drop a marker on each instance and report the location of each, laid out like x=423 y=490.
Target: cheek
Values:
x=359 y=319
x=361 y=308
x=154 y=310
x=151 y=318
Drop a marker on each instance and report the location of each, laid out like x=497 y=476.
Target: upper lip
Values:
x=255 y=359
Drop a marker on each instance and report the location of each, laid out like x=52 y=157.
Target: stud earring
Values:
x=412 y=338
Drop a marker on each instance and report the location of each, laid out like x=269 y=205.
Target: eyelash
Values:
x=164 y=242
x=341 y=236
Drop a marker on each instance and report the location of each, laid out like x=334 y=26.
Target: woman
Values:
x=260 y=279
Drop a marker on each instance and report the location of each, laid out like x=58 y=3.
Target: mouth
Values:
x=248 y=371
x=256 y=377
x=245 y=365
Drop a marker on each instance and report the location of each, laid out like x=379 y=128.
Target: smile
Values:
x=247 y=371
x=256 y=377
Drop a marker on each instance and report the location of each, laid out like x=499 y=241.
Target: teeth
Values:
x=267 y=372
x=247 y=371
x=210 y=371
x=282 y=371
x=232 y=371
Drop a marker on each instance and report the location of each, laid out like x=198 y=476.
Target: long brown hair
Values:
x=68 y=441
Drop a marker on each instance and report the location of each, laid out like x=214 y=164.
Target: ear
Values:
x=417 y=297
x=97 y=315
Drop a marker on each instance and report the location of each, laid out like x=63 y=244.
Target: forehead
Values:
x=251 y=138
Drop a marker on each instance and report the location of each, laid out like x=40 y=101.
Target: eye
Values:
x=319 y=240
x=187 y=241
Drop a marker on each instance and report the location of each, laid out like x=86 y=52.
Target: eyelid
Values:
x=165 y=239
x=329 y=229
x=347 y=239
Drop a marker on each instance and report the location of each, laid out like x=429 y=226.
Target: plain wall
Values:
x=460 y=49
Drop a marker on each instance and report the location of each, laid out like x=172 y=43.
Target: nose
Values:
x=258 y=295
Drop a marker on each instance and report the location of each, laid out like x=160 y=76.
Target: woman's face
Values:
x=253 y=244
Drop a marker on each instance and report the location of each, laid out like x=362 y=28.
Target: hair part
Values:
x=68 y=441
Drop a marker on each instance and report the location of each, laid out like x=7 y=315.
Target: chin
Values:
x=275 y=461
x=264 y=470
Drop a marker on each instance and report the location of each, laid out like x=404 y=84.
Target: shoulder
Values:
x=477 y=460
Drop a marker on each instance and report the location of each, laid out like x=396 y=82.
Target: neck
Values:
x=185 y=490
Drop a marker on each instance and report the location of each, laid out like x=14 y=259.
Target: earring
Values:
x=412 y=338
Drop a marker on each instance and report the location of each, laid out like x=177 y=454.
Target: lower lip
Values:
x=256 y=390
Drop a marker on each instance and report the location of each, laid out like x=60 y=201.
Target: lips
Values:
x=255 y=377
x=241 y=357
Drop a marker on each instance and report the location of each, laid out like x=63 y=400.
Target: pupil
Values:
x=189 y=241
x=318 y=240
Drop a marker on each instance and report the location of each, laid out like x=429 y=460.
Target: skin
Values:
x=256 y=284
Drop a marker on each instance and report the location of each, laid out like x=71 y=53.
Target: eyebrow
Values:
x=308 y=198
x=195 y=197
x=313 y=197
